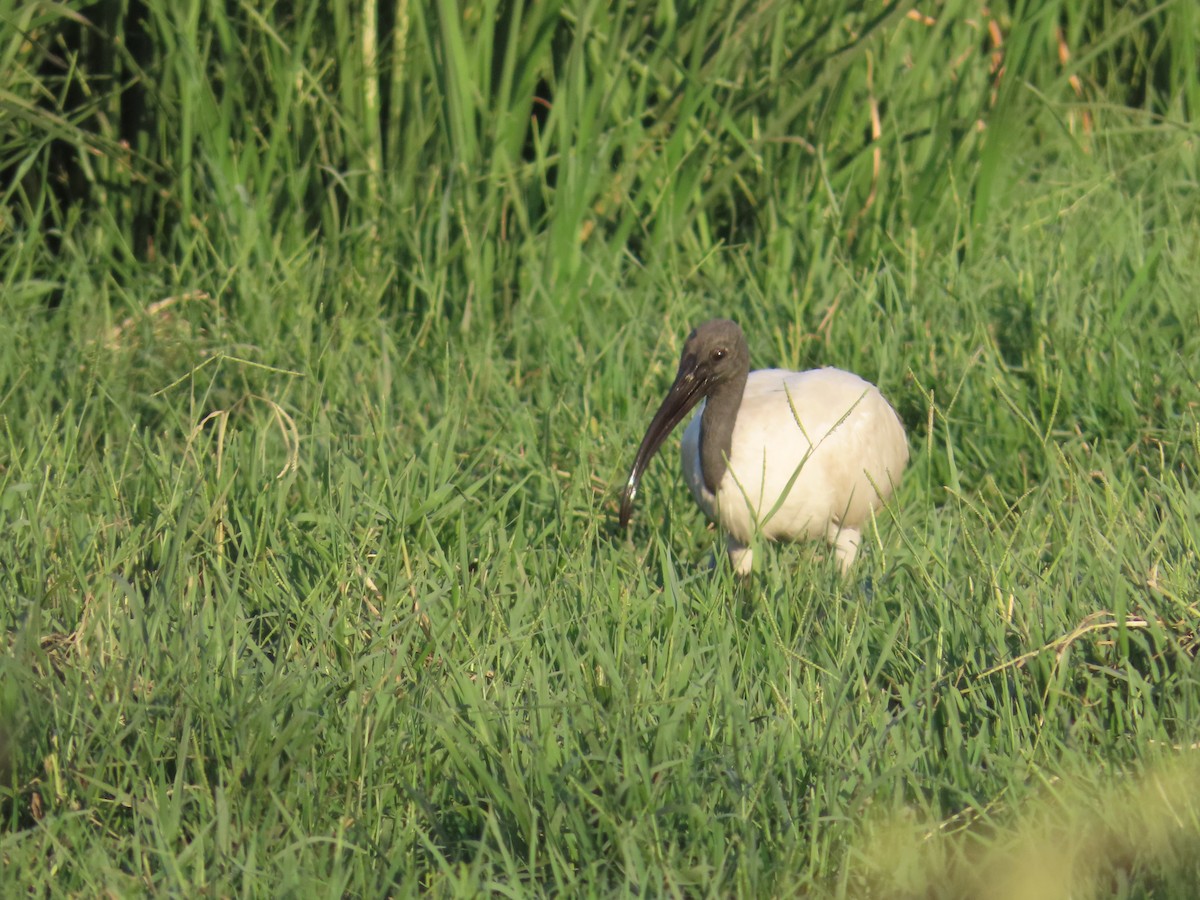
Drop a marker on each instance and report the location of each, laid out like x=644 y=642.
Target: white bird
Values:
x=787 y=455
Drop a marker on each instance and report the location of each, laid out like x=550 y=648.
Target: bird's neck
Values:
x=716 y=429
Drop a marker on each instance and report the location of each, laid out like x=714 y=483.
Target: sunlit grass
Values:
x=315 y=402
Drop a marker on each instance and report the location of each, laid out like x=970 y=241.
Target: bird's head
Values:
x=715 y=353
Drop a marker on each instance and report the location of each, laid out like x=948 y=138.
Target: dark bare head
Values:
x=714 y=364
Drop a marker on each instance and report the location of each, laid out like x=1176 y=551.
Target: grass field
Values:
x=330 y=333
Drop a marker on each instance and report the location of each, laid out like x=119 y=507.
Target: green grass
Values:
x=327 y=348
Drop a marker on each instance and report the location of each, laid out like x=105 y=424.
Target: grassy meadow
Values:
x=330 y=331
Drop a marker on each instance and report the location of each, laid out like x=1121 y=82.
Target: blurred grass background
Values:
x=330 y=330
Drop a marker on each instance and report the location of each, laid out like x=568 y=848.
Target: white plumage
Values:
x=830 y=429
x=784 y=455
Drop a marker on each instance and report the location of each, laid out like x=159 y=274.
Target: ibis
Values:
x=789 y=456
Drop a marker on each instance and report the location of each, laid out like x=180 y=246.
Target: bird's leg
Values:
x=845 y=541
x=740 y=555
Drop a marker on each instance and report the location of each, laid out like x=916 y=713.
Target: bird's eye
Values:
x=718 y=354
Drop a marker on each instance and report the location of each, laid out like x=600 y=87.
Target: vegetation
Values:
x=330 y=331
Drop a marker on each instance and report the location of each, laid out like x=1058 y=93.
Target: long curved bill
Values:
x=684 y=394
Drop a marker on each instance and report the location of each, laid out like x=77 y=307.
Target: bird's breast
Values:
x=808 y=448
